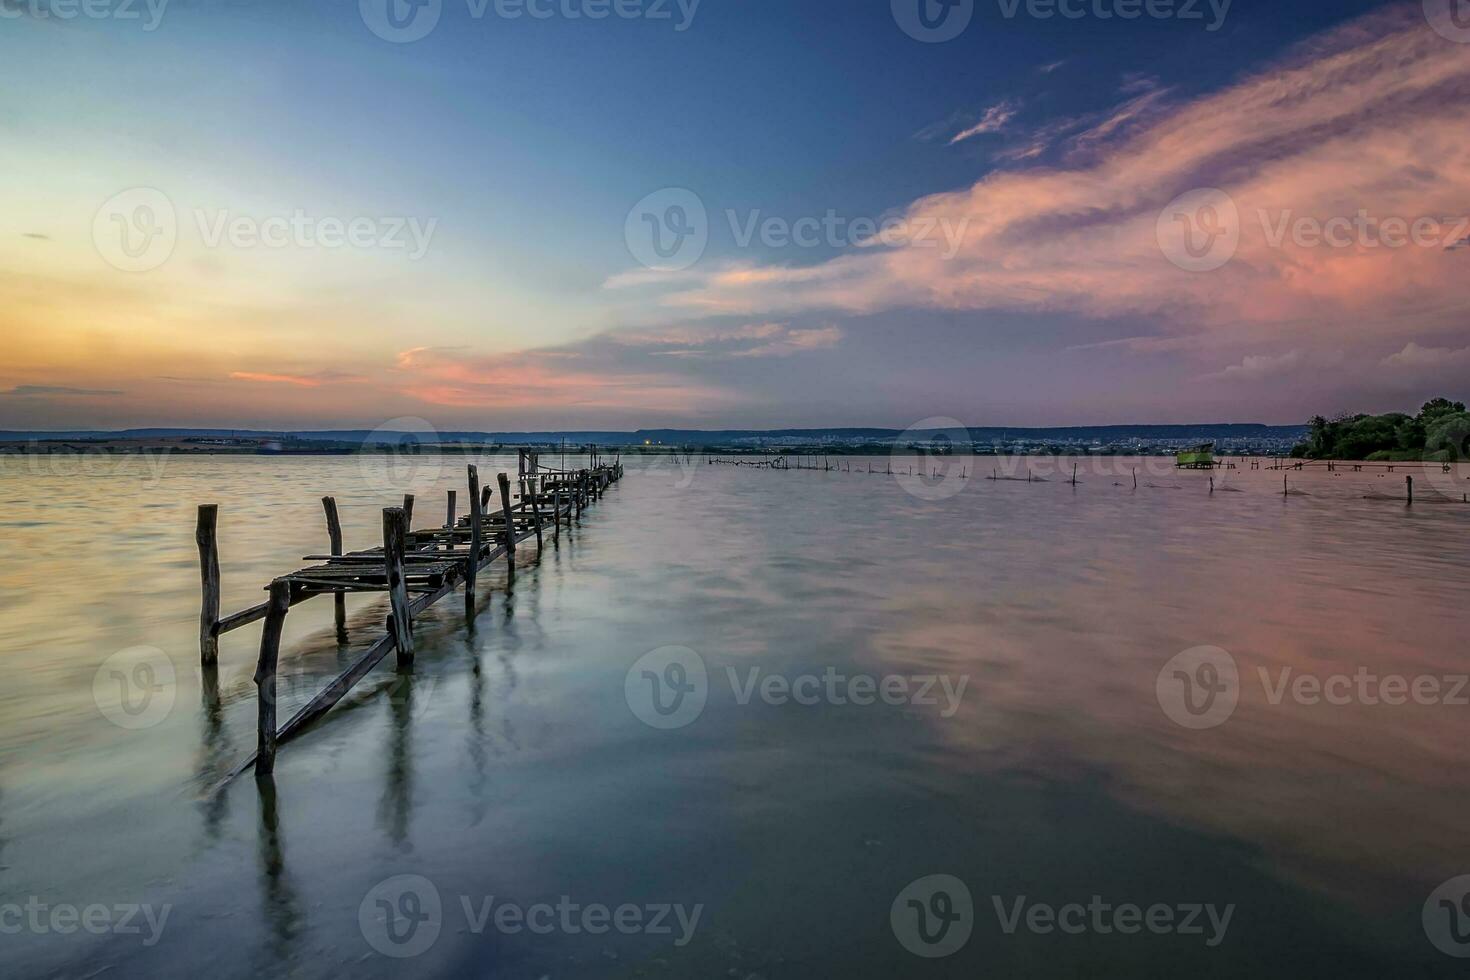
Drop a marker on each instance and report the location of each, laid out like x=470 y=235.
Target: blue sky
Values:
x=525 y=143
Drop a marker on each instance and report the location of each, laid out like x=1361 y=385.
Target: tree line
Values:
x=1439 y=433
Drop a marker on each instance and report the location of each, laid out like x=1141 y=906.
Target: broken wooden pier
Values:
x=416 y=568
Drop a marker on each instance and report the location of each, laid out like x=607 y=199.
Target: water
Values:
x=510 y=766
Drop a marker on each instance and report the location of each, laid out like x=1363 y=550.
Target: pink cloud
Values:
x=1372 y=117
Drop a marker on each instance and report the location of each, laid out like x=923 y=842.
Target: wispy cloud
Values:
x=42 y=391
x=1420 y=360
x=993 y=121
x=313 y=380
x=1269 y=367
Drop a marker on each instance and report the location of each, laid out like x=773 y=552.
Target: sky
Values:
x=614 y=214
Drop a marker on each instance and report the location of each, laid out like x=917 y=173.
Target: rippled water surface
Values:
x=510 y=765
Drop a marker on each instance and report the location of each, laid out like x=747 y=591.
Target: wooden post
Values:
x=485 y=499
x=1409 y=482
x=408 y=511
x=510 y=523
x=265 y=677
x=556 y=514
x=205 y=537
x=535 y=507
x=395 y=533
x=477 y=525
x=477 y=528
x=449 y=520
x=334 y=538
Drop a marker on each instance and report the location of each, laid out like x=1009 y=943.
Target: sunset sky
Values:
x=500 y=170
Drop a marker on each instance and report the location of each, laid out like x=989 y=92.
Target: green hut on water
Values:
x=1201 y=457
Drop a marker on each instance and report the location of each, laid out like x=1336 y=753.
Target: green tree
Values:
x=1448 y=437
x=1437 y=407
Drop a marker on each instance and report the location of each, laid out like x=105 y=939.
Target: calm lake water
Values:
x=1024 y=634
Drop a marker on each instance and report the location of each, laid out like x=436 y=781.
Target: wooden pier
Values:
x=416 y=568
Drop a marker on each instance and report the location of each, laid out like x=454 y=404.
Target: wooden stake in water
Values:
x=205 y=537
x=334 y=542
x=450 y=514
x=265 y=677
x=1409 y=482
x=395 y=534
x=510 y=523
x=472 y=568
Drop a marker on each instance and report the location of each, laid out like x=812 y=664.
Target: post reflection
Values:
x=282 y=907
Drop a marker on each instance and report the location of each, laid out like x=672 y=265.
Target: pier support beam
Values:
x=265 y=677
x=408 y=510
x=535 y=506
x=510 y=523
x=449 y=519
x=334 y=539
x=205 y=531
x=395 y=533
x=477 y=519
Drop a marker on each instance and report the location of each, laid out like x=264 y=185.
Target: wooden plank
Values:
x=265 y=677
x=205 y=536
